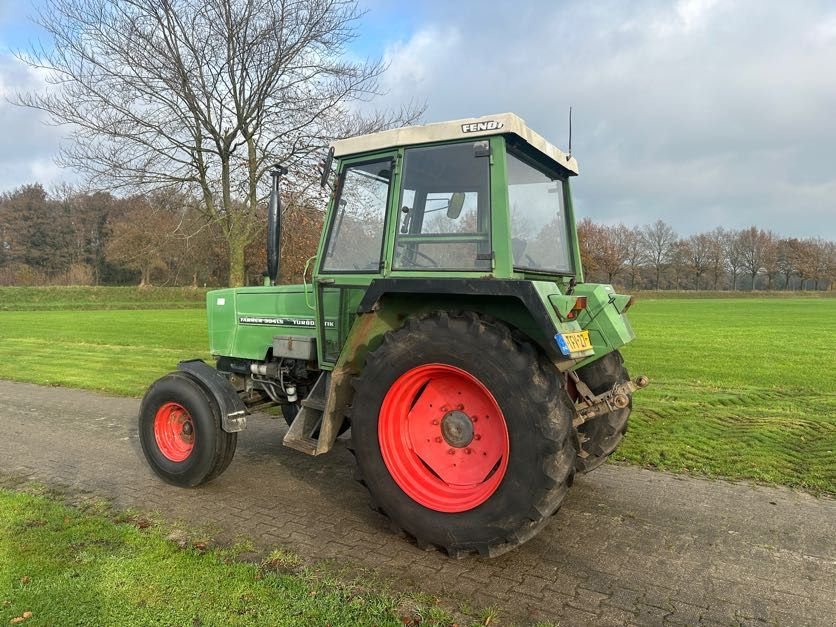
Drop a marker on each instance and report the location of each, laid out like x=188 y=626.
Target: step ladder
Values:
x=303 y=434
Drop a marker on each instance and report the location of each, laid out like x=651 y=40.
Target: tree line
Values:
x=73 y=237
x=654 y=256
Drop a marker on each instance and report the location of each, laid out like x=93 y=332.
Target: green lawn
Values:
x=119 y=351
x=58 y=298
x=63 y=566
x=741 y=388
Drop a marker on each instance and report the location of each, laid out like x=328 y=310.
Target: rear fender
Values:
x=387 y=305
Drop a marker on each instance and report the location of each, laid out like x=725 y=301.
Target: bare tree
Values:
x=716 y=255
x=830 y=248
x=784 y=261
x=615 y=251
x=679 y=263
x=634 y=255
x=604 y=248
x=734 y=255
x=698 y=251
x=589 y=237
x=821 y=254
x=658 y=240
x=772 y=260
x=203 y=96
x=754 y=244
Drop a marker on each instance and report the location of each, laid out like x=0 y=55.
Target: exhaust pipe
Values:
x=274 y=224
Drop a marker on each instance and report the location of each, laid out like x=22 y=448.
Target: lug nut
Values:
x=438 y=439
x=451 y=451
x=435 y=422
x=467 y=451
x=477 y=437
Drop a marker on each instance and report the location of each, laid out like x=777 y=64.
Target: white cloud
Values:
x=28 y=143
x=411 y=62
x=701 y=113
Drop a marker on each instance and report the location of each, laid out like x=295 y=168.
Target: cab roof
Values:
x=498 y=124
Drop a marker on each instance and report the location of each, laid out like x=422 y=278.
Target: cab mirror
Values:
x=454 y=207
x=326 y=168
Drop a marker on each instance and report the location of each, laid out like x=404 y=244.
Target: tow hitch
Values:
x=589 y=405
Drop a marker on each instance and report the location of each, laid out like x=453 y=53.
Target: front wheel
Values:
x=463 y=434
x=180 y=432
x=601 y=435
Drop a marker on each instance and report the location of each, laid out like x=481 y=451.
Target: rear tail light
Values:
x=579 y=306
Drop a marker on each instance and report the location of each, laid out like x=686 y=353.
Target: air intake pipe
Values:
x=274 y=224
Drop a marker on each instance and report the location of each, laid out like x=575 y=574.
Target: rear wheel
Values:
x=602 y=435
x=180 y=432
x=463 y=435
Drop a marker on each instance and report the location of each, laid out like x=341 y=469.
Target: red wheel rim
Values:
x=174 y=431
x=443 y=438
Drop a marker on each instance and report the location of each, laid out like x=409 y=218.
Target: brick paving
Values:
x=629 y=546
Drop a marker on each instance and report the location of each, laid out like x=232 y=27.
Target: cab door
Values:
x=352 y=253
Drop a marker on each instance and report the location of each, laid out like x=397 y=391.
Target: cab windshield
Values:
x=539 y=228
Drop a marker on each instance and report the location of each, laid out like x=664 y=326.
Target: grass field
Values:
x=741 y=388
x=80 y=298
x=122 y=570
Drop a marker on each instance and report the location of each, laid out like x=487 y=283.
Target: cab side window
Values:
x=355 y=240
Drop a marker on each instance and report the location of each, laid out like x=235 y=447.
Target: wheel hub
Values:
x=443 y=438
x=174 y=432
x=457 y=429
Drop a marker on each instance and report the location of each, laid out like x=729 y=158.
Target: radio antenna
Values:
x=569 y=156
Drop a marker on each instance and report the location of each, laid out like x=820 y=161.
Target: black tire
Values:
x=538 y=415
x=213 y=447
x=604 y=433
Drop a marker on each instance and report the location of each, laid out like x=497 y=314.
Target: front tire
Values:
x=180 y=432
x=602 y=434
x=463 y=434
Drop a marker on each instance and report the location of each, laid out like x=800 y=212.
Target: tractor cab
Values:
x=468 y=199
x=487 y=197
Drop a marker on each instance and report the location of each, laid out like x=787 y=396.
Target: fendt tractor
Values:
x=445 y=323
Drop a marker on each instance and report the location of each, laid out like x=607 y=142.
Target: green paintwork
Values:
x=604 y=318
x=228 y=336
x=319 y=301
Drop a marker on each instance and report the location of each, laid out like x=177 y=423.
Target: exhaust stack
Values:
x=274 y=224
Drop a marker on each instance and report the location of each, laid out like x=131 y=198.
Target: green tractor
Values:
x=446 y=323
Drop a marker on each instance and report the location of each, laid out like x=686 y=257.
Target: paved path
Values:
x=628 y=546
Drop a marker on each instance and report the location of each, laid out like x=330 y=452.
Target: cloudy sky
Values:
x=698 y=112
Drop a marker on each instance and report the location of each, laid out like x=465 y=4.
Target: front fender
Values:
x=233 y=410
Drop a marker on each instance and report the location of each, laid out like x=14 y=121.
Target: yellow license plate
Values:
x=573 y=342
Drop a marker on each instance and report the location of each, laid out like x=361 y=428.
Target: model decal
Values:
x=282 y=322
